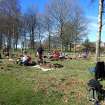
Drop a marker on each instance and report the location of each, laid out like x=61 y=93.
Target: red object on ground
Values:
x=56 y=55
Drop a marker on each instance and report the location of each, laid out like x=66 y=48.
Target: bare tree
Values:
x=100 y=22
x=31 y=20
x=40 y=28
x=48 y=25
x=68 y=36
x=100 y=11
x=59 y=10
x=63 y=11
x=10 y=11
x=79 y=27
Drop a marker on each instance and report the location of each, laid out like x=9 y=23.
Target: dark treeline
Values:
x=60 y=25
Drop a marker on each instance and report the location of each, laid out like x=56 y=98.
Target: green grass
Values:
x=21 y=85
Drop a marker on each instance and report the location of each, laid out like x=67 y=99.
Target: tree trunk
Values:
x=99 y=30
x=66 y=47
x=1 y=40
x=61 y=36
x=49 y=46
x=25 y=40
x=33 y=47
x=75 y=43
x=13 y=29
x=9 y=40
x=70 y=46
x=40 y=42
x=75 y=48
x=62 y=47
x=16 y=42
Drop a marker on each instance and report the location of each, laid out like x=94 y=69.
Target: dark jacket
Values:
x=40 y=50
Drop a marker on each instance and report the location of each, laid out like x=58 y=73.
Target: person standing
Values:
x=40 y=51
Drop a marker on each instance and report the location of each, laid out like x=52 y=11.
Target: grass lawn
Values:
x=21 y=85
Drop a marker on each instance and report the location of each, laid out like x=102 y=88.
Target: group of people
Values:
x=56 y=55
x=26 y=59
